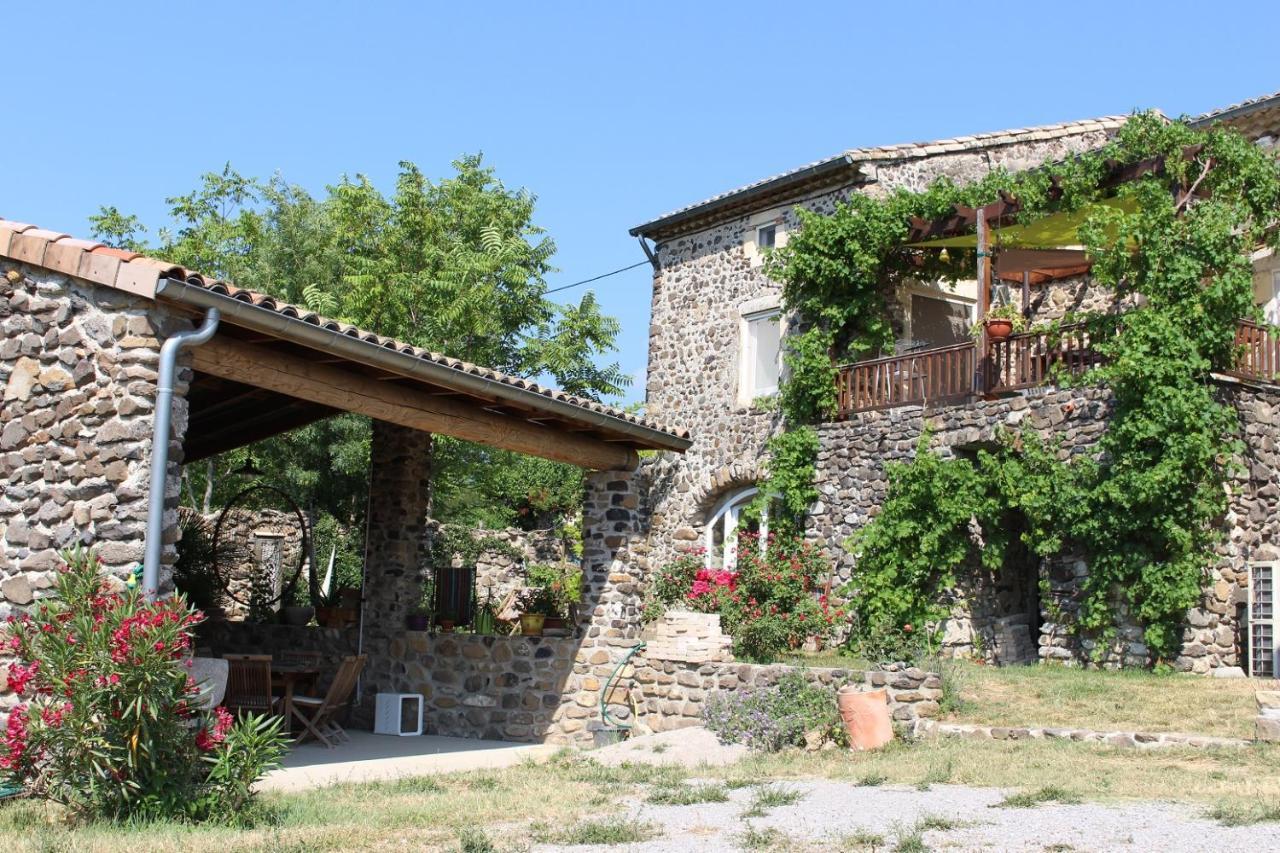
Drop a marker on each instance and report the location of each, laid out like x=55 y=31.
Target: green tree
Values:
x=456 y=266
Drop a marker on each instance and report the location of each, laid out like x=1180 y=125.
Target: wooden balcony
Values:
x=949 y=374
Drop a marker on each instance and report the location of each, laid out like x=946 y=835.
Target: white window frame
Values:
x=751 y=239
x=1271 y=308
x=752 y=312
x=1258 y=621
x=726 y=514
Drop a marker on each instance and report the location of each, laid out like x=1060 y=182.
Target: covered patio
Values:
x=165 y=367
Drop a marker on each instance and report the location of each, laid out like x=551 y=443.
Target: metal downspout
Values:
x=160 y=445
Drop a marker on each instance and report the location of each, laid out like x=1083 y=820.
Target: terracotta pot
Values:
x=531 y=624
x=866 y=717
x=297 y=616
x=998 y=330
x=553 y=622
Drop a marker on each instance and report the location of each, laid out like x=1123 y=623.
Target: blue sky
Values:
x=611 y=114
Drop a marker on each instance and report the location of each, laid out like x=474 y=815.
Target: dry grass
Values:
x=430 y=813
x=1068 y=697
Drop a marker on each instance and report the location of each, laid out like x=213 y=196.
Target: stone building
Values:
x=715 y=351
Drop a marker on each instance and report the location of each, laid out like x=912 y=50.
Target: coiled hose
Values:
x=608 y=685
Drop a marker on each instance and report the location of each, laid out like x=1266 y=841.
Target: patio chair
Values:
x=318 y=715
x=248 y=684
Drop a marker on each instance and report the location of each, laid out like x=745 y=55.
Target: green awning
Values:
x=1055 y=231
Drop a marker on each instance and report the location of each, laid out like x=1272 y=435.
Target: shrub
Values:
x=769 y=602
x=109 y=723
x=771 y=718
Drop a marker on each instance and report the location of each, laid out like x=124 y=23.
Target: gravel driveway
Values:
x=830 y=814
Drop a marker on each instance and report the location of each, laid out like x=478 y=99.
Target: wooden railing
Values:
x=932 y=375
x=1259 y=351
x=948 y=374
x=1031 y=360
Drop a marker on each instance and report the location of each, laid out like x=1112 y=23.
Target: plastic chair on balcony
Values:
x=248 y=684
x=318 y=716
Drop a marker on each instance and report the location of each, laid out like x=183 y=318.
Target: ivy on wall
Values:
x=1142 y=510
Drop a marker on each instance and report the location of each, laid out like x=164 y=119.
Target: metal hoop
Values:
x=286 y=588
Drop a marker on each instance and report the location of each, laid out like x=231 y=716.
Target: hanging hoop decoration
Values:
x=292 y=579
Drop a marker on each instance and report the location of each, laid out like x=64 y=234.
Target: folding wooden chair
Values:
x=248 y=684
x=317 y=715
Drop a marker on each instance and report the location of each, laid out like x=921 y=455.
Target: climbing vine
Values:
x=1143 y=509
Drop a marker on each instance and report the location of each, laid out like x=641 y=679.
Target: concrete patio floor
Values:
x=369 y=757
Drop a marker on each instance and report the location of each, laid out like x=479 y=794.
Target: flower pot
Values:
x=297 y=616
x=998 y=330
x=866 y=717
x=336 y=617
x=418 y=622
x=554 y=623
x=531 y=624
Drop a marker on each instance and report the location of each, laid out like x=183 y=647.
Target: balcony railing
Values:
x=1259 y=352
x=949 y=374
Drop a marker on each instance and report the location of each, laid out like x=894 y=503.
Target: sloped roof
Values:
x=846 y=164
x=1254 y=118
x=146 y=277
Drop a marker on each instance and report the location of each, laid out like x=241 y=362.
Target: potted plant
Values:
x=536 y=604
x=1001 y=322
x=419 y=619
x=564 y=581
x=339 y=609
x=297 y=610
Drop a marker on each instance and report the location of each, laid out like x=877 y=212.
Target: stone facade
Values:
x=78 y=370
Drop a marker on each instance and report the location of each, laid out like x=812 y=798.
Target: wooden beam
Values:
x=410 y=407
x=200 y=444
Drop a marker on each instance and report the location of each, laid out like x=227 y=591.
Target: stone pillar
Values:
x=614 y=558
x=396 y=550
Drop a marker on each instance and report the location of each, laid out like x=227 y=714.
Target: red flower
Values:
x=20 y=676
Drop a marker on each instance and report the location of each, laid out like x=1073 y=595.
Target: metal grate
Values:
x=1262 y=622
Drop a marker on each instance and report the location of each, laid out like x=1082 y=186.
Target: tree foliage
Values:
x=1144 y=510
x=455 y=266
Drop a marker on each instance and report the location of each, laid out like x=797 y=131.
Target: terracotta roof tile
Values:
x=139 y=275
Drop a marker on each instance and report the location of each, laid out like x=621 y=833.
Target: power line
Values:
x=596 y=278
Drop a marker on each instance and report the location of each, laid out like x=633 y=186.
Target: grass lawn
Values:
x=1103 y=699
x=571 y=799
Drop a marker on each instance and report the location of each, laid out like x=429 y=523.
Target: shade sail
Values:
x=1055 y=231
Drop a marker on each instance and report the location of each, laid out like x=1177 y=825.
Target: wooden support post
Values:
x=1026 y=294
x=984 y=303
x=416 y=408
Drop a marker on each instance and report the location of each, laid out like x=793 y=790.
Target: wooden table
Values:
x=288 y=676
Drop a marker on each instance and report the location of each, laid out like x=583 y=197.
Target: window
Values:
x=720 y=537
x=1263 y=648
x=761 y=355
x=1271 y=308
x=766 y=237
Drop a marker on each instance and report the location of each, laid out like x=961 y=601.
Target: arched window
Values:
x=720 y=538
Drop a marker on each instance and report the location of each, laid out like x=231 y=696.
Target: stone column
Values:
x=396 y=551
x=614 y=558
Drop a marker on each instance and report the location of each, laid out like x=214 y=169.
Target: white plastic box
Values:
x=389 y=716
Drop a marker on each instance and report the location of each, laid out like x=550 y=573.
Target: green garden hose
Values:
x=604 y=707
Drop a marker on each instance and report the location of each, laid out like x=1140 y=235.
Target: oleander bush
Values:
x=109 y=722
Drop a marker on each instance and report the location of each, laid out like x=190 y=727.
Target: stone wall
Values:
x=672 y=694
x=989 y=615
x=499 y=574
x=494 y=687
x=264 y=543
x=78 y=371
